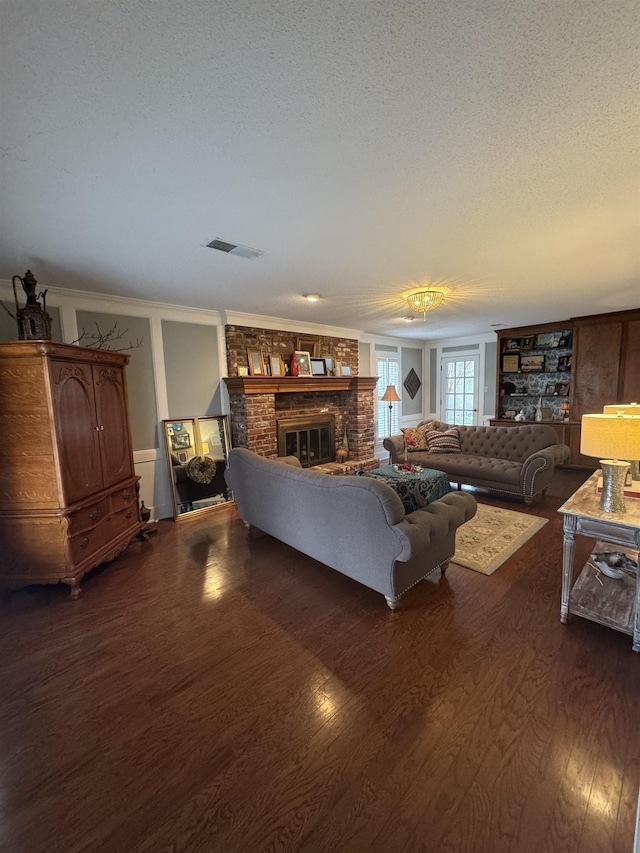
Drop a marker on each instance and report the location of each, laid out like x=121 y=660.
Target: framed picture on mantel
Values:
x=256 y=362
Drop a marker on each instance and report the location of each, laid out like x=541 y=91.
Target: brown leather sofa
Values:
x=518 y=460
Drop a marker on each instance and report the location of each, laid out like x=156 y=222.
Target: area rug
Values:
x=493 y=535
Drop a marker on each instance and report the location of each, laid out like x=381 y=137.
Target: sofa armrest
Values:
x=438 y=519
x=395 y=445
x=537 y=469
x=558 y=453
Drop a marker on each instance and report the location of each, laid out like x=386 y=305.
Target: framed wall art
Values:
x=532 y=363
x=310 y=345
x=510 y=363
x=512 y=344
x=548 y=340
x=526 y=342
x=564 y=364
x=412 y=383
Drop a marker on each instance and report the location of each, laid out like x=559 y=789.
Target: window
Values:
x=388 y=371
x=460 y=390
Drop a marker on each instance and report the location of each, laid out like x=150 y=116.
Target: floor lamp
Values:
x=390 y=396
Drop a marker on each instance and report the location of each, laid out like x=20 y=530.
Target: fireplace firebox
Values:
x=311 y=439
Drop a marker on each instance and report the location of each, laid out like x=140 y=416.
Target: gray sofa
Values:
x=517 y=460
x=355 y=525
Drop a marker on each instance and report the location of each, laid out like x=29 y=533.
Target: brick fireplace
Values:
x=258 y=403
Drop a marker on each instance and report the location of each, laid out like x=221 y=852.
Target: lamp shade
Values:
x=610 y=436
x=390 y=395
x=622 y=408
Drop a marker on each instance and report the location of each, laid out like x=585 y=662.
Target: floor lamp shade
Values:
x=390 y=396
x=613 y=439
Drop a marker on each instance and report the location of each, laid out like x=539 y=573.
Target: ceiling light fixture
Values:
x=312 y=297
x=425 y=300
x=408 y=319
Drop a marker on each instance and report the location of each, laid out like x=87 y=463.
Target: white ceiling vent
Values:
x=233 y=248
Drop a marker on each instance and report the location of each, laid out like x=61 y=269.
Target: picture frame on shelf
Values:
x=346 y=370
x=532 y=363
x=564 y=364
x=548 y=340
x=318 y=367
x=550 y=388
x=277 y=365
x=242 y=370
x=510 y=414
x=511 y=363
x=304 y=362
x=256 y=362
x=526 y=343
x=512 y=344
x=328 y=364
x=566 y=339
x=563 y=388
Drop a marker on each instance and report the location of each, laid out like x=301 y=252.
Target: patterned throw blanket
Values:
x=415 y=490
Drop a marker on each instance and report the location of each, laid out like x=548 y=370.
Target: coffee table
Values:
x=415 y=489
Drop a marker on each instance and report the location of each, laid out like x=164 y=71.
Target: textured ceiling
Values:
x=365 y=146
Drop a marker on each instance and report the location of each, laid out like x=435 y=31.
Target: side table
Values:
x=611 y=602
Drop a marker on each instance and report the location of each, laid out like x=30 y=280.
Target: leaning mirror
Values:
x=197 y=451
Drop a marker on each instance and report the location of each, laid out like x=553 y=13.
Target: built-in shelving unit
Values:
x=534 y=372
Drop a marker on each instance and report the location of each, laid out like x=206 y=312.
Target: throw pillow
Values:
x=444 y=442
x=415 y=438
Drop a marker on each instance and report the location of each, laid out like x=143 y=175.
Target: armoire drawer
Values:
x=123 y=497
x=84 y=544
x=88 y=516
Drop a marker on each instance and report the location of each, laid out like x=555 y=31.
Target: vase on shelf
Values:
x=294 y=366
x=539 y=409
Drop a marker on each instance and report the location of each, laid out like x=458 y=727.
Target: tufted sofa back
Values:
x=514 y=443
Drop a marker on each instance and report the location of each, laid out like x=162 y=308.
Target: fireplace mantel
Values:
x=251 y=385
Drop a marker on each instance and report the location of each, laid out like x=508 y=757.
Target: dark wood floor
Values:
x=215 y=691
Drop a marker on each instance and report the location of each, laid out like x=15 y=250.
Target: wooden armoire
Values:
x=68 y=490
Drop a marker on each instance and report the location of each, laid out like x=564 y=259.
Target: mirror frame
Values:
x=186 y=439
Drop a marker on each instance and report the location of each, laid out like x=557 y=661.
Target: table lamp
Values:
x=626 y=409
x=616 y=437
x=390 y=396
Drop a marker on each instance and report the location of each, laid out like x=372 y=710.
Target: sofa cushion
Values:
x=415 y=438
x=444 y=442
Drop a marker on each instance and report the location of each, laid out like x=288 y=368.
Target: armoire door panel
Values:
x=78 y=438
x=112 y=416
